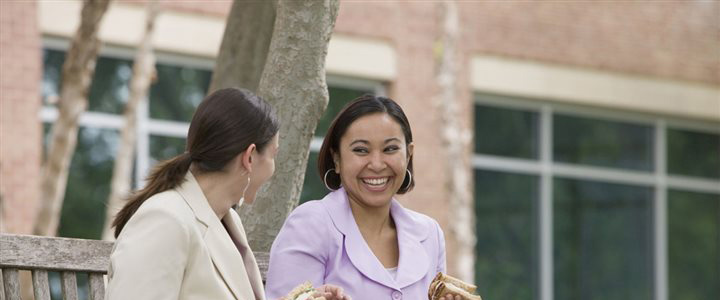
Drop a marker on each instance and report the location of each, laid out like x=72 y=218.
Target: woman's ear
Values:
x=336 y=161
x=246 y=160
x=410 y=150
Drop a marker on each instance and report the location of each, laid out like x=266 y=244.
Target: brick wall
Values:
x=670 y=39
x=20 y=130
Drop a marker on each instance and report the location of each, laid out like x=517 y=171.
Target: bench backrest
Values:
x=67 y=256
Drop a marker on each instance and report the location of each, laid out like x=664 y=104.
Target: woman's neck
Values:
x=372 y=220
x=216 y=188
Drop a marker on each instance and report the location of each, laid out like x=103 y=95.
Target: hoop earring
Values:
x=325 y=179
x=409 y=181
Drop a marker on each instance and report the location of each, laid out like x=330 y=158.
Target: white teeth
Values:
x=376 y=181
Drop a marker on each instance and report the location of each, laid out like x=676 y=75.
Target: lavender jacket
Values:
x=321 y=243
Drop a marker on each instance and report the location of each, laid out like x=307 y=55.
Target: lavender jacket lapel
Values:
x=413 y=264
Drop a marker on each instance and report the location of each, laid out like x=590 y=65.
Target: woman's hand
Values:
x=451 y=297
x=332 y=292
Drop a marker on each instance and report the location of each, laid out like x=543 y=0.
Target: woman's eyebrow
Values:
x=359 y=141
x=392 y=139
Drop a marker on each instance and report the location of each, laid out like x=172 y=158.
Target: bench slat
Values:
x=68 y=256
x=41 y=287
x=97 y=286
x=52 y=253
x=11 y=281
x=2 y=285
x=68 y=281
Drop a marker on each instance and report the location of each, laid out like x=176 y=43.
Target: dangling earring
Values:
x=242 y=199
x=325 y=180
x=409 y=181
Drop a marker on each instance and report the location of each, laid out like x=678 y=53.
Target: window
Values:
x=581 y=203
x=179 y=89
x=162 y=126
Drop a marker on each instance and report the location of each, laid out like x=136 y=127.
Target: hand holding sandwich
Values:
x=306 y=291
x=446 y=287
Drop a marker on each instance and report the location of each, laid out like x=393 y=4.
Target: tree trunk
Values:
x=143 y=74
x=456 y=140
x=294 y=83
x=77 y=73
x=245 y=45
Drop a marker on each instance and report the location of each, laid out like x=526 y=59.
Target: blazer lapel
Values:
x=237 y=231
x=223 y=252
x=413 y=262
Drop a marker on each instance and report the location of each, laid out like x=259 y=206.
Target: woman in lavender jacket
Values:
x=359 y=237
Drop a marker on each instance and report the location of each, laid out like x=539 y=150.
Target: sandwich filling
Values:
x=445 y=284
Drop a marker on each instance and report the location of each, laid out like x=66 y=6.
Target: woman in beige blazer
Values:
x=179 y=238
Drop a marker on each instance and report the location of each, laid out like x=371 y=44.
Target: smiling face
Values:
x=263 y=167
x=372 y=159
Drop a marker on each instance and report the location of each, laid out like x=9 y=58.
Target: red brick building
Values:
x=596 y=128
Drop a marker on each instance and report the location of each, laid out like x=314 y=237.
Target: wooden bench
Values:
x=67 y=256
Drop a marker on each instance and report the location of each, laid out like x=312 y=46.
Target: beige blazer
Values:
x=175 y=247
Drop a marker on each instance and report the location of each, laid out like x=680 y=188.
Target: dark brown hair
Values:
x=224 y=125
x=361 y=106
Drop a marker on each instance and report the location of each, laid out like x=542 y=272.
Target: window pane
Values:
x=602 y=143
x=506 y=132
x=110 y=87
x=177 y=92
x=602 y=241
x=507 y=247
x=693 y=153
x=165 y=147
x=339 y=96
x=88 y=185
x=313 y=187
x=693 y=245
x=52 y=74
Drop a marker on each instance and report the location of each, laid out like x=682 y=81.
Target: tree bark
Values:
x=245 y=45
x=143 y=74
x=456 y=140
x=294 y=83
x=77 y=73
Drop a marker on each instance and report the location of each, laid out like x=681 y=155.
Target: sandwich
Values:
x=303 y=292
x=446 y=284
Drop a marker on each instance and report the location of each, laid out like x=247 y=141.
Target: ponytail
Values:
x=224 y=125
x=165 y=176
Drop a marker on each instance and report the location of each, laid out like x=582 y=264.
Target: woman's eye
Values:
x=360 y=150
x=392 y=149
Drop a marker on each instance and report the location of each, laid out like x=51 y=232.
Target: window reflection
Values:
x=602 y=240
x=506 y=132
x=693 y=153
x=693 y=245
x=177 y=92
x=507 y=235
x=88 y=185
x=602 y=143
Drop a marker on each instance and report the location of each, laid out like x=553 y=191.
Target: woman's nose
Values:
x=376 y=162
